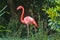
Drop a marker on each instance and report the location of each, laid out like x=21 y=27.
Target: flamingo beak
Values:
x=18 y=8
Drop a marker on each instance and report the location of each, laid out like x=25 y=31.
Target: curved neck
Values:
x=22 y=15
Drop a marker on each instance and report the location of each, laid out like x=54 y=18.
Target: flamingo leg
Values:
x=35 y=29
x=27 y=31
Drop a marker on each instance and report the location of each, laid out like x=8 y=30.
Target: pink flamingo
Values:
x=27 y=20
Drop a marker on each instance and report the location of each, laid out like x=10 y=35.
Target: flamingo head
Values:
x=19 y=7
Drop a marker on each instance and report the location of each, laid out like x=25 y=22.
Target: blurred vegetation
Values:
x=45 y=12
x=54 y=15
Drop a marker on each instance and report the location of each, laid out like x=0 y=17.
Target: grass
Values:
x=16 y=34
x=39 y=36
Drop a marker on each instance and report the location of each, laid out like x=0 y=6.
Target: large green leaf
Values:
x=2 y=11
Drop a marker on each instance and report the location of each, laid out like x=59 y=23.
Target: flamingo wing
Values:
x=30 y=20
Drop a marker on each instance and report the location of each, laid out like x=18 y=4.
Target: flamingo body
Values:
x=27 y=20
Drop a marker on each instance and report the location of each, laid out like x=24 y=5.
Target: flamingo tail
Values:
x=36 y=25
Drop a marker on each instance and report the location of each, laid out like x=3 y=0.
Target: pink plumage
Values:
x=27 y=20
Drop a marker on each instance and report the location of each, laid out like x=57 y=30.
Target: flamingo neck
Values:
x=22 y=15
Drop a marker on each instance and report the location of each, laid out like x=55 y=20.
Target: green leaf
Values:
x=50 y=24
x=57 y=1
x=59 y=22
x=2 y=13
x=7 y=30
x=1 y=26
x=8 y=12
x=58 y=30
x=3 y=8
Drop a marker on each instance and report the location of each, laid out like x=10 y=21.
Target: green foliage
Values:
x=2 y=20
x=1 y=26
x=2 y=11
x=57 y=1
x=13 y=29
x=54 y=15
